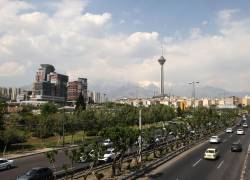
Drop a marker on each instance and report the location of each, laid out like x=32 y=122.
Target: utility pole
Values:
x=140 y=138
x=63 y=143
x=193 y=92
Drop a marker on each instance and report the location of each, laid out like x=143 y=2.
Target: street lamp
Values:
x=193 y=92
x=140 y=138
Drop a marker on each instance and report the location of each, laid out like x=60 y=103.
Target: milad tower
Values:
x=161 y=61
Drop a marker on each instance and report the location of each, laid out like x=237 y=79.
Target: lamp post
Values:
x=193 y=83
x=140 y=138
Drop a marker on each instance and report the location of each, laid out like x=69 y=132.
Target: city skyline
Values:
x=95 y=40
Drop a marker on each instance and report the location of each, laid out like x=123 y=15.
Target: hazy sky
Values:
x=118 y=41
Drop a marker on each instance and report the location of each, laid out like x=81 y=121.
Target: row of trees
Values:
x=18 y=127
x=195 y=124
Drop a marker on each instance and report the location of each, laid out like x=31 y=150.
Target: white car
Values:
x=240 y=131
x=229 y=130
x=84 y=158
x=214 y=139
x=211 y=153
x=6 y=164
x=108 y=156
x=107 y=142
x=244 y=125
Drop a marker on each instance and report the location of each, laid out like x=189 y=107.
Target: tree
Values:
x=149 y=137
x=97 y=150
x=11 y=136
x=45 y=121
x=122 y=137
x=81 y=103
x=2 y=112
x=48 y=109
x=50 y=155
x=179 y=111
x=71 y=125
x=74 y=156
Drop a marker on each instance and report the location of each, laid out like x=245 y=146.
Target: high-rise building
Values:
x=59 y=84
x=77 y=87
x=49 y=85
x=43 y=71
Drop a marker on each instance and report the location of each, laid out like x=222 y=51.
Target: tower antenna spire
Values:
x=161 y=48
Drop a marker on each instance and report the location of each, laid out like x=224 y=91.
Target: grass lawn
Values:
x=55 y=141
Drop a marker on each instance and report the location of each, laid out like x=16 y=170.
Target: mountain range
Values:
x=134 y=90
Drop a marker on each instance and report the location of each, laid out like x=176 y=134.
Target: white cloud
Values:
x=195 y=33
x=205 y=22
x=226 y=14
x=69 y=8
x=11 y=69
x=122 y=21
x=81 y=44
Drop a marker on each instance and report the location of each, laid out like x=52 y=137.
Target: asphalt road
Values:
x=192 y=166
x=26 y=163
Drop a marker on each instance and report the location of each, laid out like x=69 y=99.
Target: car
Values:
x=211 y=153
x=214 y=140
x=192 y=131
x=6 y=164
x=240 y=132
x=38 y=173
x=159 y=139
x=85 y=158
x=244 y=125
x=238 y=124
x=108 y=156
x=229 y=130
x=107 y=142
x=236 y=147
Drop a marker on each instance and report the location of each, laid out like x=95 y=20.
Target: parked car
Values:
x=159 y=139
x=107 y=142
x=6 y=164
x=229 y=130
x=240 y=132
x=85 y=158
x=211 y=153
x=245 y=125
x=108 y=156
x=214 y=139
x=38 y=173
x=238 y=124
x=236 y=147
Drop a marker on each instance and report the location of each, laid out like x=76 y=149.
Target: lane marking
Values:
x=197 y=162
x=220 y=164
x=243 y=172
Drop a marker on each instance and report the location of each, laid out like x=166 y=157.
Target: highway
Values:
x=189 y=165
x=26 y=163
x=192 y=166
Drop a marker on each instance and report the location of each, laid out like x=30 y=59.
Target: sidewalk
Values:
x=34 y=152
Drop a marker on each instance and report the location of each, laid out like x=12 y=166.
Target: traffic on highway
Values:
x=218 y=153
x=223 y=156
